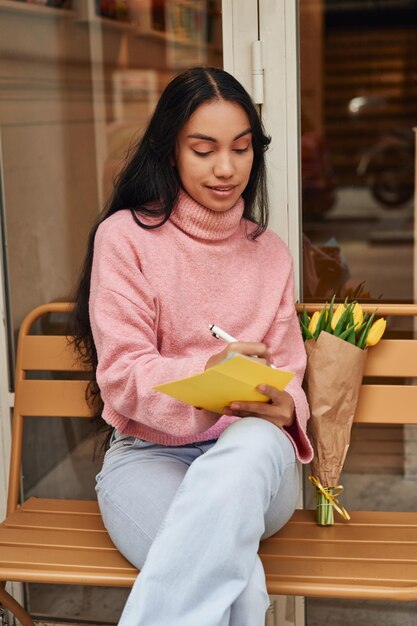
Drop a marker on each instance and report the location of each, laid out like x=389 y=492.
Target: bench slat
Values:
x=405 y=552
x=334 y=566
x=387 y=404
x=10 y=536
x=68 y=521
x=352 y=535
x=301 y=582
x=49 y=352
x=52 y=398
x=32 y=565
x=60 y=576
x=61 y=506
x=383 y=404
x=392 y=357
x=66 y=558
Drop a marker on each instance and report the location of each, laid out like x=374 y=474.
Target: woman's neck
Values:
x=202 y=223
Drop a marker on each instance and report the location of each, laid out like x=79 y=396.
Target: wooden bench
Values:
x=42 y=540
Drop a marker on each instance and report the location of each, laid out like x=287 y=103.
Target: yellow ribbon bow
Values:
x=331 y=497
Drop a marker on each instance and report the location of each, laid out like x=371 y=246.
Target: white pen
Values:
x=221 y=334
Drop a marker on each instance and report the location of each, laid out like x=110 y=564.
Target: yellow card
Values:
x=236 y=378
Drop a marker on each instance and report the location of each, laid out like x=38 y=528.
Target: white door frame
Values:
x=277 y=28
x=240 y=30
x=278 y=31
x=5 y=396
x=275 y=23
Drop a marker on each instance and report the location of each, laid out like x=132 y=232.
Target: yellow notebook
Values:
x=235 y=378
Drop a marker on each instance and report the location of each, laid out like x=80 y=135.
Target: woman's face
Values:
x=214 y=154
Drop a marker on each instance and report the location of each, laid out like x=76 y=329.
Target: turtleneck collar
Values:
x=200 y=222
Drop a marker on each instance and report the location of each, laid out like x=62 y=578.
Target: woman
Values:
x=186 y=494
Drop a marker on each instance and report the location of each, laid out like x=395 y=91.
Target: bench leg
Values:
x=7 y=602
x=3 y=617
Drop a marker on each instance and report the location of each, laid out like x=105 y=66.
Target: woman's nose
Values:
x=223 y=167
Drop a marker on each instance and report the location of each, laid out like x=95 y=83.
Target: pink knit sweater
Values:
x=154 y=294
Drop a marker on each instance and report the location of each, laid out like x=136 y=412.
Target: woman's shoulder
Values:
x=115 y=224
x=119 y=222
x=122 y=226
x=271 y=241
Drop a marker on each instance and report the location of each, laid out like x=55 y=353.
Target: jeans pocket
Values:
x=122 y=443
x=135 y=443
x=128 y=441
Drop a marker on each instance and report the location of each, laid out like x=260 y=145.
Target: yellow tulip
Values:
x=313 y=322
x=337 y=315
x=375 y=332
x=357 y=315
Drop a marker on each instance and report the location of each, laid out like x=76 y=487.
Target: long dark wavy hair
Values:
x=149 y=185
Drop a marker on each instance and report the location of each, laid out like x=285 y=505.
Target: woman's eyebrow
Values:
x=208 y=138
x=245 y=132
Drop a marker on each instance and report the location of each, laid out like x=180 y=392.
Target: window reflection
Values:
x=79 y=80
x=359 y=108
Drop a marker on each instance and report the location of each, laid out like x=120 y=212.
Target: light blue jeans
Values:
x=191 y=518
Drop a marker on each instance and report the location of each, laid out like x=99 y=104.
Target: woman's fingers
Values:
x=275 y=395
x=249 y=349
x=252 y=408
x=279 y=409
x=252 y=350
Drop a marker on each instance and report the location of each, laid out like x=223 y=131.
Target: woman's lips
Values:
x=222 y=191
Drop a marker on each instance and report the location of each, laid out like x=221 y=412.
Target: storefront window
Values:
x=358 y=100
x=79 y=80
x=358 y=114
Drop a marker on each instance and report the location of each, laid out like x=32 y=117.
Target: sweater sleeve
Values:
x=124 y=315
x=287 y=352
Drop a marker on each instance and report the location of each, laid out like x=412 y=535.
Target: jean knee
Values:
x=257 y=438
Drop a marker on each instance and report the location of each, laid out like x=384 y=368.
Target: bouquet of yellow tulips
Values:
x=336 y=338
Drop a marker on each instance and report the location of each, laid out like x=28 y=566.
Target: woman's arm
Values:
x=124 y=312
x=287 y=409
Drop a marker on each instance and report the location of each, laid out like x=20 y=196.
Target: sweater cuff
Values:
x=297 y=434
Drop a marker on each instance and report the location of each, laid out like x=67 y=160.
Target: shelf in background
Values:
x=108 y=23
x=133 y=28
x=37 y=10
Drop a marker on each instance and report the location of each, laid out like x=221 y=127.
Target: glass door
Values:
x=79 y=79
x=358 y=116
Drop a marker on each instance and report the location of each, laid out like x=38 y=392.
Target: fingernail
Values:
x=234 y=406
x=261 y=388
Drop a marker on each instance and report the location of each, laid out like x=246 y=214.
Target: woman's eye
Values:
x=202 y=154
x=242 y=149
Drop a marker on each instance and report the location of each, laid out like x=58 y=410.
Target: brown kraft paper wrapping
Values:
x=332 y=383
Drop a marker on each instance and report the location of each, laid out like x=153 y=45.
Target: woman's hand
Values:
x=280 y=409
x=246 y=348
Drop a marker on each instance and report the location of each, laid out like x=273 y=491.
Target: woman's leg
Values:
x=254 y=599
x=205 y=553
x=250 y=607
x=135 y=489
